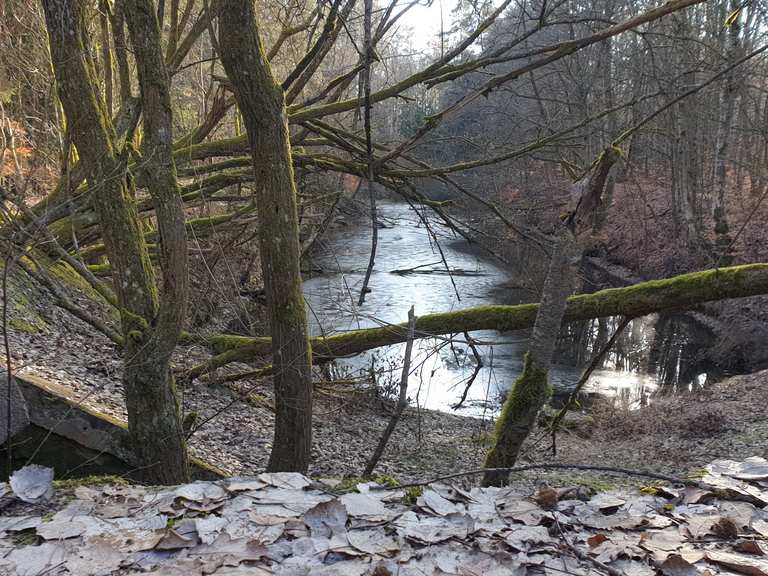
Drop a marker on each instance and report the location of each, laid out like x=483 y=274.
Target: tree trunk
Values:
x=609 y=101
x=121 y=50
x=149 y=378
x=531 y=390
x=727 y=105
x=153 y=414
x=261 y=102
x=685 y=146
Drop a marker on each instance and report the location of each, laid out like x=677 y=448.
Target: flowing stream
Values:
x=411 y=271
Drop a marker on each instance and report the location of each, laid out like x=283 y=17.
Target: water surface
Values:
x=441 y=368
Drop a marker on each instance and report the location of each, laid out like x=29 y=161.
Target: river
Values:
x=642 y=362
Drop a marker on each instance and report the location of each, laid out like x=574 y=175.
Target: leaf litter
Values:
x=286 y=524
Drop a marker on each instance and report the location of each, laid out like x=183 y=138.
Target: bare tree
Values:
x=150 y=323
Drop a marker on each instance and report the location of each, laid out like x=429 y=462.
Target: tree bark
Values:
x=686 y=162
x=121 y=50
x=153 y=415
x=149 y=381
x=729 y=96
x=261 y=102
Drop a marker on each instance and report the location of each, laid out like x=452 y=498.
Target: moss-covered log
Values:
x=677 y=293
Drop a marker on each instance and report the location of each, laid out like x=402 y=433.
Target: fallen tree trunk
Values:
x=678 y=293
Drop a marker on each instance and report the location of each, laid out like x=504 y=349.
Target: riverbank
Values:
x=233 y=426
x=672 y=435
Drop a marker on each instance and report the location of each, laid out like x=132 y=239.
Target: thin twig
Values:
x=369 y=149
x=596 y=361
x=743 y=227
x=402 y=401
x=478 y=367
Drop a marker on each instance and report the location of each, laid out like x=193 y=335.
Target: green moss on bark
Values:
x=528 y=394
x=678 y=293
x=22 y=325
x=530 y=389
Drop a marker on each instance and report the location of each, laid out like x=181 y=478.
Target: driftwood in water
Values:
x=440 y=271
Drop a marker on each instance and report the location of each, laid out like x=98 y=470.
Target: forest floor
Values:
x=285 y=524
x=671 y=435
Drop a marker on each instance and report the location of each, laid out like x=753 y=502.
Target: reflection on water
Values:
x=652 y=352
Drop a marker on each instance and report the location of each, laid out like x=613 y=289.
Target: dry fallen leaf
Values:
x=753 y=468
x=596 y=540
x=739 y=562
x=725 y=528
x=326 y=518
x=632 y=567
x=209 y=527
x=242 y=484
x=35 y=560
x=292 y=480
x=32 y=483
x=436 y=503
x=700 y=527
x=661 y=543
x=521 y=510
x=364 y=505
x=524 y=538
x=201 y=492
x=372 y=542
x=61 y=529
x=182 y=536
x=754 y=547
x=546 y=497
x=676 y=565
x=730 y=485
x=693 y=495
x=760 y=526
x=19 y=523
x=429 y=529
x=605 y=501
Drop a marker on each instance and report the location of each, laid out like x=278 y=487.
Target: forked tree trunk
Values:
x=261 y=102
x=153 y=414
x=148 y=379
